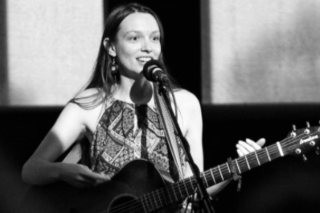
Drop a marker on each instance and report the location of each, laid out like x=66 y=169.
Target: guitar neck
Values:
x=177 y=192
x=242 y=164
x=220 y=173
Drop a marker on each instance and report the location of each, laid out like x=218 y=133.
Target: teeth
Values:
x=144 y=59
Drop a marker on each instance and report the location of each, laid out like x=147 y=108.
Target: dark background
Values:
x=286 y=185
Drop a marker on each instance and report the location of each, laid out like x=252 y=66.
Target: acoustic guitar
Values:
x=139 y=187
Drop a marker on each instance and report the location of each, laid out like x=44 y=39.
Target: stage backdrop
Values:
x=262 y=51
x=48 y=49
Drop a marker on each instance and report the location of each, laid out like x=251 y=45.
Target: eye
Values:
x=156 y=38
x=134 y=38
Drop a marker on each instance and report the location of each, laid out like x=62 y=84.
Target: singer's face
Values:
x=137 y=41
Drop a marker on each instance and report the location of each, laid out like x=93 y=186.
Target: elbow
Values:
x=35 y=172
x=26 y=174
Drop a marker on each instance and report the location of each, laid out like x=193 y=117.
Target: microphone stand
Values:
x=204 y=201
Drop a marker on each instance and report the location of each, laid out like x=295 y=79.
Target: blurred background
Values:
x=254 y=66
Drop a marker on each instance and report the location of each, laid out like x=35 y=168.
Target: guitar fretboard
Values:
x=177 y=192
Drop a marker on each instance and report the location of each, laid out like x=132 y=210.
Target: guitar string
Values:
x=243 y=161
x=259 y=153
x=269 y=152
x=271 y=149
x=136 y=205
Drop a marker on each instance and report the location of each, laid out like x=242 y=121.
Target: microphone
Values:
x=153 y=71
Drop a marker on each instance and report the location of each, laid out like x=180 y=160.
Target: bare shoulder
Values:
x=83 y=97
x=189 y=111
x=87 y=117
x=186 y=99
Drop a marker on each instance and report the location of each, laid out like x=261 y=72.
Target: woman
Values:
x=118 y=115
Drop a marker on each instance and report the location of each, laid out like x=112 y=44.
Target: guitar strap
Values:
x=169 y=128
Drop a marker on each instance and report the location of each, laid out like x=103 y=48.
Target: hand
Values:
x=245 y=147
x=81 y=176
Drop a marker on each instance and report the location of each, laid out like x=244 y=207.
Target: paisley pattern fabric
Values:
x=126 y=132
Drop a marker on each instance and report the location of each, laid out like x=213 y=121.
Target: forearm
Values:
x=39 y=172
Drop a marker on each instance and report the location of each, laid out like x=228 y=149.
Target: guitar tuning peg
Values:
x=304 y=158
x=294 y=127
x=317 y=151
x=308 y=124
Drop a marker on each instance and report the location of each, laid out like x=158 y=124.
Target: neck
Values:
x=138 y=91
x=122 y=89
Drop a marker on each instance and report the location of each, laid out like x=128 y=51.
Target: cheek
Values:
x=124 y=54
x=157 y=51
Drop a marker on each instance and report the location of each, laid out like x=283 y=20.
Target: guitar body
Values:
x=135 y=179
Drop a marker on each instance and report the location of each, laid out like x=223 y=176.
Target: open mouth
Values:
x=144 y=59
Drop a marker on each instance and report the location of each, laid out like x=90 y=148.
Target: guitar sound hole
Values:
x=125 y=203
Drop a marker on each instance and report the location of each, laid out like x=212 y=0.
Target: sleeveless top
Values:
x=126 y=132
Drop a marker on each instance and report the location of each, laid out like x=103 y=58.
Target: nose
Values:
x=146 y=46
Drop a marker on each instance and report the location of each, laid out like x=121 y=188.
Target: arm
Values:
x=40 y=169
x=191 y=124
x=190 y=121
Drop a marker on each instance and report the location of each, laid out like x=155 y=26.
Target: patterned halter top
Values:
x=126 y=132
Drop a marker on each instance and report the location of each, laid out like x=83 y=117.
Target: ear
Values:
x=109 y=46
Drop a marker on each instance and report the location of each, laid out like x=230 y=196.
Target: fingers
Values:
x=94 y=179
x=253 y=144
x=240 y=153
x=80 y=176
x=244 y=148
x=241 y=149
x=100 y=178
x=261 y=142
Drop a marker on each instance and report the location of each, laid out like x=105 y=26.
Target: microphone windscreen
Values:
x=149 y=66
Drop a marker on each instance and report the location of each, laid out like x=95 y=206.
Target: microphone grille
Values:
x=149 y=67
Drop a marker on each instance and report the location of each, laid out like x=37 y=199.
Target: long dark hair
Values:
x=102 y=79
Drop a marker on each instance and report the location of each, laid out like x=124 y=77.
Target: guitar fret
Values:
x=247 y=162
x=191 y=183
x=147 y=203
x=228 y=168
x=280 y=149
x=162 y=197
x=185 y=186
x=238 y=166
x=179 y=189
x=204 y=177
x=157 y=192
x=268 y=154
x=165 y=198
x=155 y=202
x=143 y=205
x=257 y=158
x=173 y=192
x=152 y=208
x=169 y=195
x=214 y=180
x=220 y=172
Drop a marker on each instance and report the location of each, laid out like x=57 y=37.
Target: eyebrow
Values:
x=137 y=31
